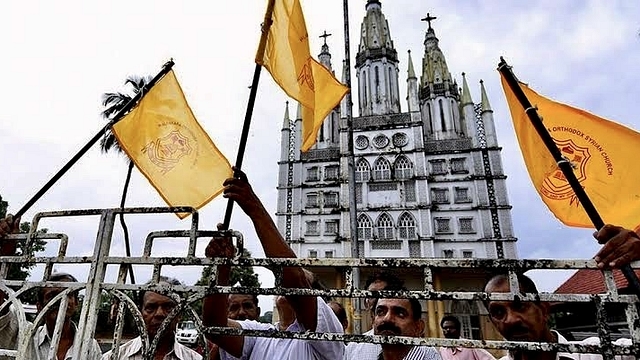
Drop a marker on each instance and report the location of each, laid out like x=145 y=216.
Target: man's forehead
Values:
x=157 y=298
x=377 y=285
x=394 y=303
x=240 y=298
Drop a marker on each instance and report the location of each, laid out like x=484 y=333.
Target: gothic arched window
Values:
x=443 y=124
x=363 y=170
x=381 y=169
x=384 y=226
x=406 y=226
x=365 y=230
x=403 y=168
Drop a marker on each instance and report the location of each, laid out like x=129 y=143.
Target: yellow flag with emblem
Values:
x=287 y=57
x=167 y=144
x=602 y=154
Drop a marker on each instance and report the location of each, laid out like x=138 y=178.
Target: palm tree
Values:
x=113 y=102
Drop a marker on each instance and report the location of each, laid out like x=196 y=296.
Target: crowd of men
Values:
x=514 y=320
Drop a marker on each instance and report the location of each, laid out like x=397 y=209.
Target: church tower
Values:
x=429 y=181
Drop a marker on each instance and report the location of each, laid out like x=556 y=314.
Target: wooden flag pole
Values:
x=266 y=25
x=128 y=106
x=562 y=162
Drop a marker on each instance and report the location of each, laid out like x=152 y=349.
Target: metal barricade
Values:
x=186 y=296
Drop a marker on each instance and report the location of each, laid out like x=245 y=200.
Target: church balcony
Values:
x=374 y=54
x=381 y=121
x=439 y=89
x=446 y=146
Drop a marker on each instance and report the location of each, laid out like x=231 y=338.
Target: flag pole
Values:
x=351 y=168
x=562 y=162
x=128 y=106
x=266 y=25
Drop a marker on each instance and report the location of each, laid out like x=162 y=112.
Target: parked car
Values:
x=187 y=333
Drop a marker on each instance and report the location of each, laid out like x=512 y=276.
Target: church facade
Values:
x=429 y=181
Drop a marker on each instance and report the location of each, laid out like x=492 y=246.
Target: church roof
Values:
x=591 y=281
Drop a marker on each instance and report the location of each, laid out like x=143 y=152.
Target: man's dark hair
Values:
x=416 y=308
x=525 y=284
x=386 y=276
x=254 y=298
x=57 y=276
x=316 y=283
x=341 y=313
x=161 y=279
x=451 y=318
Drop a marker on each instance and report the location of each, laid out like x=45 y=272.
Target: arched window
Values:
x=407 y=227
x=365 y=230
x=403 y=168
x=377 y=83
x=384 y=226
x=363 y=170
x=381 y=169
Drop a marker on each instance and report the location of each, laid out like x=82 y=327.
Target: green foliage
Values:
x=267 y=318
x=243 y=275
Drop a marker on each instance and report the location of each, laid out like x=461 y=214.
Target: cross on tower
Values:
x=325 y=36
x=428 y=19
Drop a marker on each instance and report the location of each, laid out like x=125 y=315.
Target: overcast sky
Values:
x=59 y=57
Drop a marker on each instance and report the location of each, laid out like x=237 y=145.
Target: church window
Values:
x=381 y=169
x=466 y=225
x=461 y=195
x=459 y=166
x=447 y=254
x=438 y=167
x=391 y=98
x=377 y=83
x=331 y=199
x=410 y=191
x=385 y=227
x=312 y=174
x=331 y=227
x=380 y=141
x=403 y=168
x=312 y=200
x=443 y=225
x=328 y=254
x=365 y=230
x=467 y=254
x=406 y=227
x=385 y=186
x=331 y=172
x=358 y=193
x=400 y=139
x=440 y=195
x=443 y=123
x=363 y=170
x=362 y=142
x=312 y=228
x=313 y=254
x=365 y=86
x=429 y=114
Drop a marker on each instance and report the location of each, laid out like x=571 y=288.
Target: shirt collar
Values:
x=136 y=348
x=42 y=334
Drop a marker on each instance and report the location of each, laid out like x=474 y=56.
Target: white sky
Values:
x=59 y=57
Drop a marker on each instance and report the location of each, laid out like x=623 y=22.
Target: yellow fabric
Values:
x=288 y=60
x=167 y=144
x=601 y=152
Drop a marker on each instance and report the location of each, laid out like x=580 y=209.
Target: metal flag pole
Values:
x=563 y=164
x=266 y=25
x=128 y=106
x=351 y=168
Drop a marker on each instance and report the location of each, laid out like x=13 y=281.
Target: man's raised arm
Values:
x=239 y=190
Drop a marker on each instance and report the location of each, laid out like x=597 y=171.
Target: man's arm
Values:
x=214 y=307
x=621 y=246
x=239 y=190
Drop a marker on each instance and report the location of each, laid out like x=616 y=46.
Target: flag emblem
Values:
x=555 y=186
x=166 y=152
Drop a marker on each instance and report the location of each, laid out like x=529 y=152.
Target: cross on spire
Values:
x=428 y=19
x=325 y=36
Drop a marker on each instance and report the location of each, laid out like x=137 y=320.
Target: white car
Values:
x=187 y=333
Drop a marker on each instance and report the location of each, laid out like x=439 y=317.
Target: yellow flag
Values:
x=287 y=58
x=165 y=141
x=602 y=153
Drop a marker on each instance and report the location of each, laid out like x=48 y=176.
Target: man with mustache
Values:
x=155 y=308
x=243 y=307
x=401 y=317
x=451 y=330
x=527 y=321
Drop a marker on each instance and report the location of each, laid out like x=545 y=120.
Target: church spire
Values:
x=436 y=77
x=325 y=55
x=484 y=98
x=287 y=120
x=411 y=73
x=466 y=94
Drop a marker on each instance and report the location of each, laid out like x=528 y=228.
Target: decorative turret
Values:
x=487 y=118
x=325 y=55
x=439 y=98
x=468 y=112
x=412 y=87
x=328 y=132
x=377 y=65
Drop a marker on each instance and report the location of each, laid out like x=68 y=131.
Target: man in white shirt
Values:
x=155 y=308
x=311 y=313
x=39 y=347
